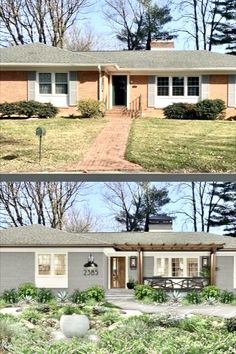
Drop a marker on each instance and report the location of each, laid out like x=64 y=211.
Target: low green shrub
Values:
x=96 y=293
x=194 y=297
x=210 y=292
x=108 y=318
x=69 y=310
x=210 y=109
x=160 y=296
x=176 y=111
x=226 y=297
x=8 y=330
x=143 y=291
x=28 y=109
x=89 y=108
x=8 y=109
x=44 y=295
x=27 y=289
x=204 y=110
x=77 y=296
x=10 y=296
x=231 y=324
x=31 y=316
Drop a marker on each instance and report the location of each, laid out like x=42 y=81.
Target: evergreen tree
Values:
x=224 y=213
x=226 y=31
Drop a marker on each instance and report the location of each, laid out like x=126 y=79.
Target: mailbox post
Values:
x=40 y=132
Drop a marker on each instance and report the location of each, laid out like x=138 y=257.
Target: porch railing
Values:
x=177 y=283
x=135 y=107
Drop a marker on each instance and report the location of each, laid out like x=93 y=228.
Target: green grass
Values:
x=182 y=145
x=66 y=142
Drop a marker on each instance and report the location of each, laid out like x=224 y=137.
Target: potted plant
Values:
x=131 y=283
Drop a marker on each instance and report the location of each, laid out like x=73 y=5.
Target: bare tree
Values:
x=132 y=204
x=198 y=202
x=44 y=21
x=136 y=22
x=199 y=20
x=77 y=221
x=79 y=40
x=46 y=203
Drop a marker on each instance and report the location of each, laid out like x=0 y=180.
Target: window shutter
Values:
x=31 y=85
x=72 y=88
x=204 y=88
x=151 y=91
x=232 y=91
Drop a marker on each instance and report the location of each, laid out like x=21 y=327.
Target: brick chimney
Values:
x=161 y=223
x=162 y=44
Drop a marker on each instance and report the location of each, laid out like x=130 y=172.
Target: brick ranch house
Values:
x=161 y=76
x=57 y=259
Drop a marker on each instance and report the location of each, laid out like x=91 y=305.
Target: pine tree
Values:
x=226 y=31
x=224 y=213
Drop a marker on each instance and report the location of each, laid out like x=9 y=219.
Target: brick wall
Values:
x=88 y=85
x=13 y=86
x=218 y=87
x=139 y=86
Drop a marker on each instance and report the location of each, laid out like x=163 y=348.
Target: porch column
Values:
x=99 y=83
x=213 y=267
x=140 y=265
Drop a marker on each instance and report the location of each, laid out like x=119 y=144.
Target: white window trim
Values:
x=53 y=83
x=52 y=265
x=169 y=264
x=185 y=87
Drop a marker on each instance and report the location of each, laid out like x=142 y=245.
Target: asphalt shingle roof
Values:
x=168 y=59
x=41 y=235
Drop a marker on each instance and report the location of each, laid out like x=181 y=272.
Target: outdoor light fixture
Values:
x=133 y=262
x=205 y=262
x=90 y=268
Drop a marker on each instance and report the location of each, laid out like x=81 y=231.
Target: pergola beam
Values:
x=170 y=247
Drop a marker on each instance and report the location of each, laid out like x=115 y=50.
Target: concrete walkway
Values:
x=107 y=152
x=221 y=310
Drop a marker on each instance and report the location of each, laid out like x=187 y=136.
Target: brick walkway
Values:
x=107 y=152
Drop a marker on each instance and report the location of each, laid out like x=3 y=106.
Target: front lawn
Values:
x=164 y=145
x=66 y=141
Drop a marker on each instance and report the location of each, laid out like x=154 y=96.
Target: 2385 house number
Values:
x=90 y=272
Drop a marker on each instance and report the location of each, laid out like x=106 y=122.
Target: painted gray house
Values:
x=57 y=259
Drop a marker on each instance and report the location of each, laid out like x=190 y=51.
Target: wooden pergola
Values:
x=141 y=247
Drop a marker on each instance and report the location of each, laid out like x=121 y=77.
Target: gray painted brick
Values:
x=225 y=272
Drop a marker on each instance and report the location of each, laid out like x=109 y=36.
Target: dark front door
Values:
x=117 y=272
x=119 y=90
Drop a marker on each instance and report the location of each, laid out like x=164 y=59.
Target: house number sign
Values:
x=90 y=268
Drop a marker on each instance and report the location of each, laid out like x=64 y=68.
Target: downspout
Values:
x=99 y=83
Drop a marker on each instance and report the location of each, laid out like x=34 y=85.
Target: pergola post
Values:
x=213 y=267
x=140 y=265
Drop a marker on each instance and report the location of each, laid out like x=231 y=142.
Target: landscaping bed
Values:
x=66 y=141
x=167 y=145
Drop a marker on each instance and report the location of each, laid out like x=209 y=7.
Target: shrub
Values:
x=226 y=297
x=194 y=297
x=8 y=109
x=27 y=289
x=175 y=296
x=8 y=330
x=108 y=318
x=47 y=110
x=10 y=296
x=89 y=108
x=160 y=296
x=44 y=296
x=31 y=316
x=144 y=291
x=175 y=111
x=28 y=109
x=96 y=293
x=77 y=296
x=210 y=109
x=210 y=292
x=231 y=324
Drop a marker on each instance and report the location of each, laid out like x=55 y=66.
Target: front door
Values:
x=117 y=272
x=119 y=90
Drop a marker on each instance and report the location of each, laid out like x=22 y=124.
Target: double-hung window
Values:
x=178 y=86
x=176 y=267
x=51 y=264
x=53 y=83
